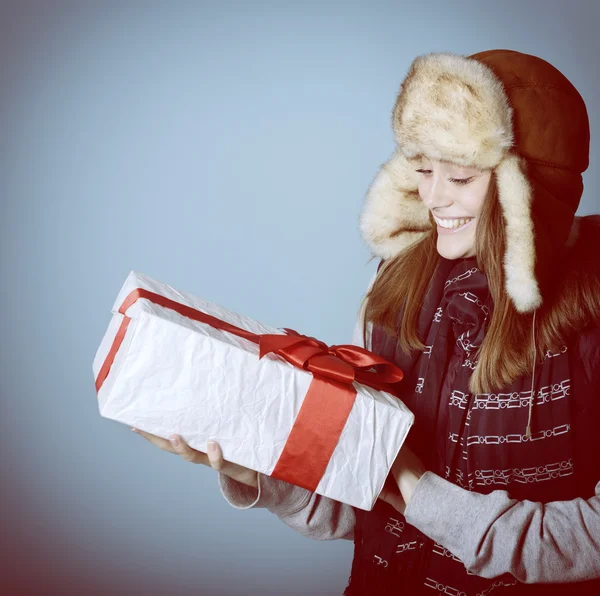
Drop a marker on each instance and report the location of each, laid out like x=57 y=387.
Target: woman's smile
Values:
x=452 y=226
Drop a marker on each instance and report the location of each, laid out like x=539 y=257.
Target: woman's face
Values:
x=454 y=195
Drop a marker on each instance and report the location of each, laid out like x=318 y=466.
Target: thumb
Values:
x=215 y=455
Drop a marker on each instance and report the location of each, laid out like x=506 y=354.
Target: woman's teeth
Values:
x=452 y=223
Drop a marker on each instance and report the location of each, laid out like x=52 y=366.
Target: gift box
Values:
x=278 y=402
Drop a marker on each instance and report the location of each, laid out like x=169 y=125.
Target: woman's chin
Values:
x=454 y=250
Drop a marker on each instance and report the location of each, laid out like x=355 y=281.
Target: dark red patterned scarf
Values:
x=475 y=441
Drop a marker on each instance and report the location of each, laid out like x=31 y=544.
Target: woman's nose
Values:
x=434 y=195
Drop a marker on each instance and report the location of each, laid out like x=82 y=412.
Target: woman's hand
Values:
x=390 y=493
x=407 y=471
x=213 y=459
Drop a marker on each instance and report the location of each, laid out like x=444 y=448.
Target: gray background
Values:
x=223 y=148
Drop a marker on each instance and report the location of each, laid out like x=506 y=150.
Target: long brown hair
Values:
x=508 y=349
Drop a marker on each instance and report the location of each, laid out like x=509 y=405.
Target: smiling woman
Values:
x=477 y=236
x=487 y=297
x=455 y=202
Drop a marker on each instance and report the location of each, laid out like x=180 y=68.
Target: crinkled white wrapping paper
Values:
x=175 y=375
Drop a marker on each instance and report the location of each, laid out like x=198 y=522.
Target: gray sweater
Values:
x=491 y=534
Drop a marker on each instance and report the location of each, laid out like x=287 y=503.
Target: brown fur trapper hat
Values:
x=499 y=109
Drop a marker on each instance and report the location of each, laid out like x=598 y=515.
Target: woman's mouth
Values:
x=451 y=226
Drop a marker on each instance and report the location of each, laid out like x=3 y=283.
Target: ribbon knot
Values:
x=344 y=363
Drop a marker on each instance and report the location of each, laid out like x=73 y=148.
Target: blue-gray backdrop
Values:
x=223 y=148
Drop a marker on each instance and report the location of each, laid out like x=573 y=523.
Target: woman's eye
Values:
x=455 y=180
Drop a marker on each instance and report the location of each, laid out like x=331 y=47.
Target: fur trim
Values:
x=394 y=217
x=455 y=109
x=514 y=195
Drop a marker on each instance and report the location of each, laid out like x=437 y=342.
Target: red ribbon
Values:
x=329 y=399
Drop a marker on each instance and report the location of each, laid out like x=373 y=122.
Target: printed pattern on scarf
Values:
x=479 y=440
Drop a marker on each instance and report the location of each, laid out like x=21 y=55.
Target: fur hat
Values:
x=499 y=109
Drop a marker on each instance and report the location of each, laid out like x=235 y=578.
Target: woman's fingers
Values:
x=175 y=444
x=186 y=452
x=390 y=493
x=163 y=444
x=215 y=456
x=235 y=471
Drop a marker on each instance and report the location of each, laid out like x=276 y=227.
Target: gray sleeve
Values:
x=494 y=534
x=306 y=512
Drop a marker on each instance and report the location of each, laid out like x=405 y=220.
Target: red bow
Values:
x=344 y=363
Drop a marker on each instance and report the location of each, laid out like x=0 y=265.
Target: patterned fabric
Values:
x=475 y=441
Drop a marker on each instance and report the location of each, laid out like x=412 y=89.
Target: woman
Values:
x=488 y=298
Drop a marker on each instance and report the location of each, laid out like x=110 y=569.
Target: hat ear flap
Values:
x=394 y=216
x=515 y=196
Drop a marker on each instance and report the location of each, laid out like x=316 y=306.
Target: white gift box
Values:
x=163 y=372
